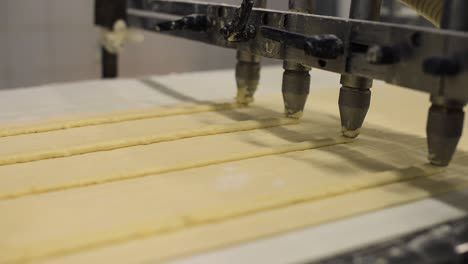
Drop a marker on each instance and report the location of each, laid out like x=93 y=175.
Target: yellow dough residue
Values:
x=113 y=118
x=145 y=140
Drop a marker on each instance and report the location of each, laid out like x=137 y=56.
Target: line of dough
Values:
x=146 y=140
x=217 y=215
x=113 y=118
x=260 y=152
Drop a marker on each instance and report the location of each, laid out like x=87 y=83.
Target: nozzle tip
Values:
x=244 y=96
x=293 y=114
x=350 y=133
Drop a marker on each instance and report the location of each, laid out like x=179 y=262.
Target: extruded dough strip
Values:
x=146 y=140
x=261 y=152
x=113 y=118
x=197 y=218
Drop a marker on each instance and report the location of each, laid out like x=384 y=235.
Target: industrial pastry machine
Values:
x=360 y=49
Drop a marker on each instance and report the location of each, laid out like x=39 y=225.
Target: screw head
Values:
x=374 y=55
x=382 y=55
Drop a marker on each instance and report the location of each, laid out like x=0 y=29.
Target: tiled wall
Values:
x=45 y=41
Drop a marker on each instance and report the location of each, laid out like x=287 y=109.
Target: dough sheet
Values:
x=194 y=182
x=147 y=248
x=66 y=123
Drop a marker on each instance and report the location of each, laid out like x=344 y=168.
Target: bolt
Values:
x=381 y=55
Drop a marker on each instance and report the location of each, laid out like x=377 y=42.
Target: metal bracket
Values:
x=325 y=46
x=238 y=30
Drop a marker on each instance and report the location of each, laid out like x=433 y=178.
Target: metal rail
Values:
x=425 y=59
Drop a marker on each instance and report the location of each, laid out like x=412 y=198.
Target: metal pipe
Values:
x=109 y=64
x=303 y=6
x=248 y=71
x=446 y=117
x=355 y=94
x=296 y=77
x=365 y=9
x=455 y=15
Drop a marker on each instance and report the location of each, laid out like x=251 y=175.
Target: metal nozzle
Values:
x=353 y=104
x=445 y=120
x=296 y=78
x=355 y=94
x=247 y=76
x=354 y=101
x=248 y=65
x=444 y=130
x=295 y=88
